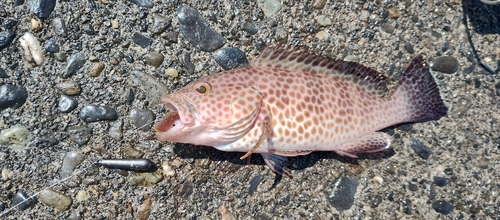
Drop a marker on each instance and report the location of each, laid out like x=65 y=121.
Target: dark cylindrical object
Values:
x=129 y=164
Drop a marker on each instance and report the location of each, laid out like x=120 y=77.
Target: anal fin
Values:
x=371 y=143
x=291 y=153
x=277 y=164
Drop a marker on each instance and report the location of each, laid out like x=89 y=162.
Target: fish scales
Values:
x=291 y=102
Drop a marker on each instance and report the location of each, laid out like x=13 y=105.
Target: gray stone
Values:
x=408 y=47
x=3 y=74
x=198 y=33
x=188 y=64
x=143 y=3
x=67 y=103
x=51 y=46
x=75 y=63
x=254 y=183
x=442 y=207
x=445 y=64
x=423 y=151
x=15 y=137
x=55 y=199
x=270 y=7
x=20 y=199
x=116 y=130
x=12 y=96
x=440 y=181
x=42 y=8
x=342 y=195
x=6 y=37
x=142 y=41
x=94 y=113
x=148 y=83
x=142 y=118
x=230 y=58
x=154 y=58
x=59 y=27
x=79 y=134
x=69 y=87
x=250 y=28
x=160 y=23
x=71 y=160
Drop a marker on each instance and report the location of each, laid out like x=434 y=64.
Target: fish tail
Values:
x=420 y=93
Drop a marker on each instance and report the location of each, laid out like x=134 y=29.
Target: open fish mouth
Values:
x=171 y=122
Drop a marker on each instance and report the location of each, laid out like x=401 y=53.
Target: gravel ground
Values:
x=109 y=62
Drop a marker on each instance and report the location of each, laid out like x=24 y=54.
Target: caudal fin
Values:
x=421 y=93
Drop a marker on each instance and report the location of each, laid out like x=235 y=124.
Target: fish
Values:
x=290 y=102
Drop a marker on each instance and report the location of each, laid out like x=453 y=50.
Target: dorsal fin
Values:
x=300 y=59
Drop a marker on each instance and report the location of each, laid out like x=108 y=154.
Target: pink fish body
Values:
x=290 y=102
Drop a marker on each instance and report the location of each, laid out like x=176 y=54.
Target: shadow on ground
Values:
x=485 y=19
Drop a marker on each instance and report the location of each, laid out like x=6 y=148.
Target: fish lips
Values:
x=171 y=123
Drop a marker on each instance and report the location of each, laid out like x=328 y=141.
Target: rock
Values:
x=116 y=130
x=154 y=58
x=281 y=35
x=445 y=64
x=160 y=24
x=203 y=163
x=322 y=35
x=351 y=58
x=250 y=28
x=15 y=137
x=225 y=213
x=172 y=72
x=269 y=7
x=20 y=199
x=55 y=199
x=12 y=96
x=60 y=56
x=133 y=152
x=442 y=207
x=143 y=3
x=129 y=95
x=254 y=183
x=423 y=151
x=36 y=24
x=69 y=87
x=440 y=181
x=143 y=211
x=67 y=103
x=51 y=46
x=186 y=60
x=5 y=38
x=171 y=37
x=407 y=206
x=75 y=63
x=142 y=118
x=4 y=75
x=59 y=27
x=97 y=68
x=319 y=4
x=431 y=192
x=323 y=20
x=387 y=28
x=408 y=47
x=82 y=196
x=71 y=160
x=94 y=113
x=195 y=29
x=148 y=83
x=79 y=134
x=7 y=174
x=142 y=41
x=230 y=58
x=342 y=195
x=145 y=179
x=42 y=8
x=32 y=51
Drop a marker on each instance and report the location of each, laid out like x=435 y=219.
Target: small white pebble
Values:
x=167 y=170
x=172 y=72
x=7 y=174
x=378 y=179
x=82 y=196
x=32 y=51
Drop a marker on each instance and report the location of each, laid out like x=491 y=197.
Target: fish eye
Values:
x=202 y=88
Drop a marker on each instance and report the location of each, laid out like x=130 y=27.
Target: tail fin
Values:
x=421 y=93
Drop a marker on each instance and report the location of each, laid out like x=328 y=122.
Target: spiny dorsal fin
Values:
x=300 y=59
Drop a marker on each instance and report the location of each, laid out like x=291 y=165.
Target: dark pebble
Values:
x=445 y=64
x=51 y=46
x=10 y=23
x=75 y=63
x=230 y=58
x=142 y=118
x=469 y=69
x=59 y=27
x=423 y=151
x=3 y=74
x=431 y=191
x=154 y=58
x=42 y=8
x=12 y=96
x=254 y=183
x=171 y=37
x=2 y=206
x=160 y=23
x=342 y=195
x=375 y=202
x=129 y=95
x=250 y=28
x=412 y=187
x=80 y=134
x=94 y=113
x=186 y=59
x=19 y=200
x=284 y=201
x=67 y=103
x=407 y=206
x=5 y=38
x=442 y=207
x=448 y=171
x=194 y=28
x=408 y=47
x=142 y=41
x=143 y=3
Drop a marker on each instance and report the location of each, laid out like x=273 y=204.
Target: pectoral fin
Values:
x=368 y=144
x=277 y=164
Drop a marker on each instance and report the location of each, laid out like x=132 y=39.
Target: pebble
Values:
x=142 y=118
x=407 y=206
x=142 y=41
x=461 y=106
x=322 y=35
x=431 y=192
x=387 y=28
x=254 y=183
x=171 y=37
x=250 y=28
x=423 y=151
x=269 y=7
x=154 y=58
x=442 y=207
x=36 y=24
x=42 y=8
x=75 y=63
x=445 y=64
x=59 y=27
x=351 y=58
x=116 y=130
x=186 y=60
x=203 y=163
x=5 y=38
x=342 y=195
x=143 y=3
x=94 y=113
x=7 y=174
x=82 y=196
x=19 y=200
x=15 y=137
x=69 y=87
x=319 y=4
x=194 y=27
x=148 y=83
x=230 y=58
x=144 y=179
x=96 y=69
x=281 y=35
x=61 y=57
x=71 y=160
x=225 y=213
x=51 y=46
x=12 y=96
x=67 y=104
x=32 y=51
x=55 y=199
x=408 y=47
x=2 y=206
x=323 y=20
x=172 y=72
x=440 y=181
x=133 y=152
x=412 y=186
x=79 y=134
x=160 y=24
x=3 y=74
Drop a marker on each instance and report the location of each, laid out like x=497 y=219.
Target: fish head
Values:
x=209 y=112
